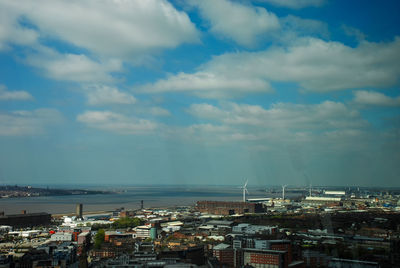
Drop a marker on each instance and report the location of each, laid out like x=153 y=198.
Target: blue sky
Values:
x=200 y=92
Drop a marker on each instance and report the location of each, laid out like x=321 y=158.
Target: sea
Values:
x=129 y=198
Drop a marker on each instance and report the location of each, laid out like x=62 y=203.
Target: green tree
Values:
x=127 y=222
x=99 y=238
x=97 y=226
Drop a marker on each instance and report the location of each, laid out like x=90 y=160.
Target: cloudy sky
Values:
x=200 y=92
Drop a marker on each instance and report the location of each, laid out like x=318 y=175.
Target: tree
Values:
x=99 y=238
x=98 y=226
x=127 y=222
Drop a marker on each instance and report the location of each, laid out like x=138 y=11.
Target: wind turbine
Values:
x=244 y=187
x=283 y=191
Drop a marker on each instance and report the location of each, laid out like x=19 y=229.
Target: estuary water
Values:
x=128 y=197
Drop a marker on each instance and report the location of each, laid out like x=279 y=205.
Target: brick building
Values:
x=282 y=245
x=259 y=258
x=228 y=208
x=224 y=254
x=110 y=236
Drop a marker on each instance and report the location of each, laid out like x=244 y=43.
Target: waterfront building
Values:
x=323 y=199
x=338 y=193
x=228 y=208
x=79 y=211
x=26 y=220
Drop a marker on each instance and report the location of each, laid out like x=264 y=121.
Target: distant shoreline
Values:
x=10 y=191
x=59 y=215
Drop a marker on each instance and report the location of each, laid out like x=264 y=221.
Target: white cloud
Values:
x=210 y=128
x=108 y=33
x=290 y=124
x=115 y=122
x=21 y=123
x=242 y=23
x=113 y=28
x=207 y=134
x=208 y=85
x=314 y=64
x=14 y=95
x=284 y=116
x=293 y=27
x=12 y=33
x=373 y=98
x=319 y=65
x=354 y=32
x=296 y=4
x=208 y=111
x=104 y=94
x=158 y=111
x=73 y=67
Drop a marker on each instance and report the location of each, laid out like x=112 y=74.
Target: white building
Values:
x=172 y=223
x=261 y=244
x=171 y=229
x=29 y=233
x=61 y=236
x=143 y=231
x=5 y=229
x=335 y=192
x=323 y=199
x=248 y=229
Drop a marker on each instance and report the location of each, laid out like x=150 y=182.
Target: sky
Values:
x=209 y=92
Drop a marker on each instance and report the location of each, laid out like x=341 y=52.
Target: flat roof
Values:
x=143 y=227
x=84 y=234
x=24 y=215
x=62 y=233
x=221 y=246
x=354 y=261
x=279 y=241
x=217 y=222
x=295 y=263
x=265 y=250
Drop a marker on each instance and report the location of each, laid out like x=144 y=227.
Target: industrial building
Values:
x=338 y=193
x=228 y=208
x=323 y=199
